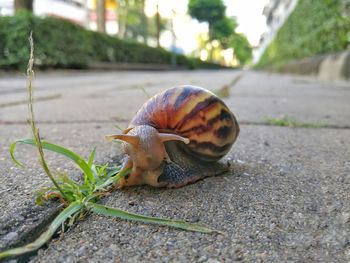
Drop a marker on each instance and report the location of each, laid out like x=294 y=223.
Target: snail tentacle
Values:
x=132 y=139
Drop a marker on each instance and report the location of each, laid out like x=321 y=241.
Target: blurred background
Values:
x=194 y=33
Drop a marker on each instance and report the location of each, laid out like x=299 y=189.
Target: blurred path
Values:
x=287 y=198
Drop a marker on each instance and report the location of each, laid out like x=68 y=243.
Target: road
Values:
x=286 y=198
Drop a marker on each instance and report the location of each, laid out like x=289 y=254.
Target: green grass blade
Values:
x=57 y=149
x=72 y=209
x=12 y=150
x=113 y=179
x=113 y=170
x=92 y=157
x=109 y=211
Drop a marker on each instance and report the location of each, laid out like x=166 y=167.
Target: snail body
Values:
x=177 y=137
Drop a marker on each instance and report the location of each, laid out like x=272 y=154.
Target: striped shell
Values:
x=194 y=113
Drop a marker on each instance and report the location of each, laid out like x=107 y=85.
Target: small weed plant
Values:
x=78 y=198
x=285 y=121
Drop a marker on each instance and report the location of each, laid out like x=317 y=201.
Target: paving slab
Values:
x=101 y=96
x=73 y=109
x=258 y=96
x=286 y=198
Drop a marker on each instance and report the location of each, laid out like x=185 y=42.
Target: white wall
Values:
x=58 y=8
x=61 y=9
x=6 y=7
x=280 y=15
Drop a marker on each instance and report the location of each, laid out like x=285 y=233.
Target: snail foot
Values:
x=175 y=176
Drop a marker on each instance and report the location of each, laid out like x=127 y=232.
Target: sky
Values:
x=247 y=12
x=249 y=17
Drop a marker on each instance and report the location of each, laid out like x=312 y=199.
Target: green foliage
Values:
x=111 y=49
x=53 y=42
x=223 y=30
x=207 y=10
x=94 y=178
x=221 y=27
x=61 y=44
x=137 y=24
x=314 y=27
x=242 y=48
x=152 y=25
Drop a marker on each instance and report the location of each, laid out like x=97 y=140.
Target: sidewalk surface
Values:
x=287 y=198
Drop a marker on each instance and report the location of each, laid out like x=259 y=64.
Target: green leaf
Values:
x=71 y=210
x=113 y=179
x=113 y=170
x=102 y=170
x=12 y=149
x=109 y=211
x=60 y=150
x=39 y=199
x=92 y=157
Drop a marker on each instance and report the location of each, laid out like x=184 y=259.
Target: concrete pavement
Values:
x=285 y=200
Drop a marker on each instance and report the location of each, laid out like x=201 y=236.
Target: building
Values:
x=6 y=7
x=73 y=10
x=81 y=12
x=276 y=13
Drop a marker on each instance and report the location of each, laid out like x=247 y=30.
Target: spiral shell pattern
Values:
x=194 y=113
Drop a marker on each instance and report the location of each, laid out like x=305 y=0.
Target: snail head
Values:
x=144 y=146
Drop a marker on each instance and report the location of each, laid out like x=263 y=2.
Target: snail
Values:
x=177 y=137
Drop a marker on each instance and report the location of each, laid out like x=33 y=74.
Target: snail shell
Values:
x=204 y=129
x=193 y=113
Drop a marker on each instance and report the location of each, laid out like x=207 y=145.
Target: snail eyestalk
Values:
x=134 y=140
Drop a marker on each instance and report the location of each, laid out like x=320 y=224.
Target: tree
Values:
x=242 y=49
x=157 y=26
x=23 y=5
x=223 y=30
x=209 y=11
x=123 y=10
x=101 y=15
x=133 y=22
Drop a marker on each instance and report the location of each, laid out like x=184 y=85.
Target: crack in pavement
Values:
x=20 y=102
x=114 y=120
x=33 y=231
x=324 y=126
